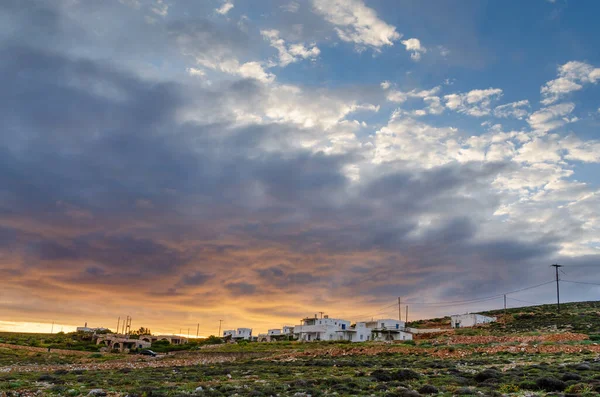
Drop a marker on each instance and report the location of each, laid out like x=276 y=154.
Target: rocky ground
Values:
x=449 y=365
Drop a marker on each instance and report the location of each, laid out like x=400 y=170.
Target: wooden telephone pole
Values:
x=557 y=287
x=399 y=309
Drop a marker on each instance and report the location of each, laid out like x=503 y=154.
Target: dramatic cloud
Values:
x=356 y=23
x=178 y=163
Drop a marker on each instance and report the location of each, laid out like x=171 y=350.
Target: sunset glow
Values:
x=259 y=162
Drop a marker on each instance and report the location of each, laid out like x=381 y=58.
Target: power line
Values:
x=484 y=298
x=579 y=282
x=443 y=304
x=520 y=300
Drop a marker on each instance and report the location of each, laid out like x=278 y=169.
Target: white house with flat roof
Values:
x=380 y=330
x=325 y=328
x=85 y=328
x=388 y=330
x=288 y=330
x=357 y=333
x=469 y=320
x=238 y=334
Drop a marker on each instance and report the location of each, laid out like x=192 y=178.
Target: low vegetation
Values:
x=527 y=356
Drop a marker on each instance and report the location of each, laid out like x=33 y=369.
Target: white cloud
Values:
x=475 y=103
x=550 y=118
x=540 y=150
x=292 y=6
x=254 y=70
x=514 y=109
x=415 y=47
x=411 y=140
x=434 y=105
x=225 y=8
x=578 y=150
x=195 y=72
x=291 y=53
x=131 y=3
x=160 y=8
x=386 y=85
x=249 y=70
x=355 y=22
x=571 y=77
x=401 y=96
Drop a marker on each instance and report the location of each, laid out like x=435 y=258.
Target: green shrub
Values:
x=579 y=388
x=509 y=388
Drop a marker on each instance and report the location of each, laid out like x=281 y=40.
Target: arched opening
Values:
x=116 y=346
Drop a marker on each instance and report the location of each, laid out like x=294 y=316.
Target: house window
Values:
x=361 y=337
x=343 y=326
x=397 y=326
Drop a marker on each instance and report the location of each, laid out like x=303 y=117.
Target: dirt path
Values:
x=45 y=350
x=444 y=348
x=136 y=362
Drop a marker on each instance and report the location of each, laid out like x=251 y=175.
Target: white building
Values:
x=321 y=329
x=85 y=328
x=286 y=333
x=380 y=330
x=389 y=329
x=358 y=333
x=469 y=320
x=229 y=332
x=238 y=334
x=288 y=330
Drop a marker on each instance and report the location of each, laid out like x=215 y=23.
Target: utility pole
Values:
x=52 y=329
x=220 y=321
x=406 y=315
x=321 y=313
x=197 y=330
x=188 y=333
x=504 y=309
x=399 y=309
x=557 y=288
x=118 y=323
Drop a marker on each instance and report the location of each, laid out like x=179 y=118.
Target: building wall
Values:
x=288 y=329
x=469 y=320
x=362 y=334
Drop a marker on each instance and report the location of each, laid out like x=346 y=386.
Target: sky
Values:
x=256 y=162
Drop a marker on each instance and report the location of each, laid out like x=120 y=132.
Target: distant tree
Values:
x=212 y=340
x=142 y=331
